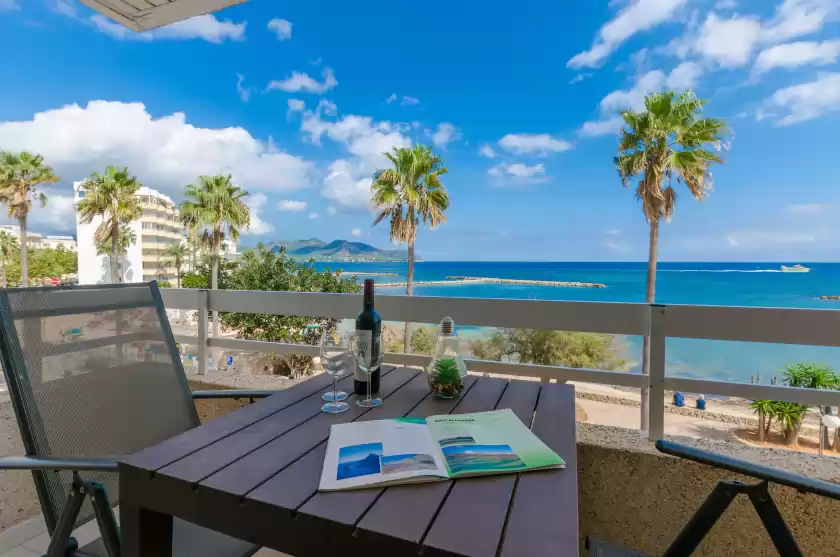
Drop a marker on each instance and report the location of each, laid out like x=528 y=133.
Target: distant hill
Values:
x=337 y=250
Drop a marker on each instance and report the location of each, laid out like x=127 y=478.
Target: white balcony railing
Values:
x=771 y=325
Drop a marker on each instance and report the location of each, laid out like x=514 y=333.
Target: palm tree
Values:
x=666 y=141
x=408 y=194
x=20 y=174
x=178 y=253
x=127 y=237
x=216 y=206
x=111 y=196
x=9 y=245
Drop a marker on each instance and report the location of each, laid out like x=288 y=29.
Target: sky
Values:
x=298 y=100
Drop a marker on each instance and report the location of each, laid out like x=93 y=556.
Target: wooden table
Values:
x=253 y=474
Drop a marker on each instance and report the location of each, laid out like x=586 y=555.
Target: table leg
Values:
x=145 y=533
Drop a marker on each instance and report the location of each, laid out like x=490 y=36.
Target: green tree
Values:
x=765 y=410
x=112 y=196
x=177 y=254
x=263 y=269
x=218 y=207
x=195 y=280
x=9 y=246
x=126 y=238
x=20 y=175
x=409 y=194
x=423 y=341
x=550 y=348
x=666 y=141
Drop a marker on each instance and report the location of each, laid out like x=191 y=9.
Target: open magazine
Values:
x=404 y=450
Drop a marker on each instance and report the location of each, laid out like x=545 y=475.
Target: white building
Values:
x=39 y=241
x=157 y=228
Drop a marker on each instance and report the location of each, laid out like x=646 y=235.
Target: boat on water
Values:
x=795 y=269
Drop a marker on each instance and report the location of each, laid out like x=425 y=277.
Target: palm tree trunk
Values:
x=649 y=298
x=214 y=277
x=24 y=253
x=178 y=275
x=4 y=272
x=409 y=281
x=115 y=243
x=761 y=420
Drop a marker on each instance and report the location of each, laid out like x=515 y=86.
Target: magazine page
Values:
x=489 y=443
x=382 y=452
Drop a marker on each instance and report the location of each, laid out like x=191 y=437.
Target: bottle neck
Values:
x=368 y=296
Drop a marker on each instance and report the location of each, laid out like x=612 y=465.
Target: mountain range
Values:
x=337 y=250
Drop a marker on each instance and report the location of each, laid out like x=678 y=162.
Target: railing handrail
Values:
x=659 y=321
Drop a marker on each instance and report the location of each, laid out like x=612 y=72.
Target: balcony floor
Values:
x=30 y=539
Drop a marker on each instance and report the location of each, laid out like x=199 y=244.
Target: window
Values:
x=82 y=194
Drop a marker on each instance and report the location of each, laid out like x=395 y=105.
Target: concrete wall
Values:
x=633 y=496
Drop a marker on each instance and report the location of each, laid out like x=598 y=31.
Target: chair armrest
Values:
x=233 y=393
x=57 y=463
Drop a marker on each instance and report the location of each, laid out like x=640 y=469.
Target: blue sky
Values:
x=297 y=100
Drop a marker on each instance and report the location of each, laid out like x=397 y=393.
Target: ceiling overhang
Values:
x=142 y=15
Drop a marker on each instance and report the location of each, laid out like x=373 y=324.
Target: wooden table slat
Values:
x=214 y=457
x=403 y=513
x=248 y=472
x=544 y=516
x=473 y=516
x=175 y=448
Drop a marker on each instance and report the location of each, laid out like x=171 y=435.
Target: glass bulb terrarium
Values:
x=447 y=370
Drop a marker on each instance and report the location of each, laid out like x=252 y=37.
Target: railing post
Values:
x=656 y=406
x=202 y=331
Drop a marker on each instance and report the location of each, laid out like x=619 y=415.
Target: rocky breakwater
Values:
x=836 y=298
x=572 y=284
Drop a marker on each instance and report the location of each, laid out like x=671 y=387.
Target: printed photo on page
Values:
x=383 y=452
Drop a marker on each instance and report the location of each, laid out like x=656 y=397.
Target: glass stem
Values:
x=335 y=389
x=369 y=382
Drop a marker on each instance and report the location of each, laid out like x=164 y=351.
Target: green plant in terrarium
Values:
x=447 y=370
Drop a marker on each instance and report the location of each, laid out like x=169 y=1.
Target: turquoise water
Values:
x=738 y=284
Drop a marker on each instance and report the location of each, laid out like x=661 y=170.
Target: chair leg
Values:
x=62 y=544
x=105 y=519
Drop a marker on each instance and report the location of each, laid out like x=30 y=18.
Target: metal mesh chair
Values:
x=94 y=374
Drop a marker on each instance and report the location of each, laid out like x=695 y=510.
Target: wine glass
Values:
x=336 y=357
x=368 y=353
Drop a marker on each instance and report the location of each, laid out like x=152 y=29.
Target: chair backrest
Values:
x=93 y=371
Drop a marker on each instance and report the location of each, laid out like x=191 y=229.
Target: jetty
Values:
x=494 y=280
x=836 y=298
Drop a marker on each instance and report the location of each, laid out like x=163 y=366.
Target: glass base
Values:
x=335 y=407
x=339 y=396
x=369 y=403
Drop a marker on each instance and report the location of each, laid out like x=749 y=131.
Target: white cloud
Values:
x=62 y=7
x=487 y=151
x=356 y=232
x=729 y=42
x=331 y=211
x=281 y=28
x=391 y=99
x=579 y=77
x=165 y=152
x=349 y=178
x=725 y=5
x=9 y=5
x=243 y=92
x=768 y=239
x=446 y=133
x=313 y=216
x=797 y=18
x=302 y=83
x=518 y=174
x=636 y=16
x=290 y=205
x=797 y=54
x=684 y=76
x=58 y=217
x=806 y=208
x=205 y=27
x=409 y=101
x=295 y=105
x=802 y=102
x=535 y=144
x=256 y=203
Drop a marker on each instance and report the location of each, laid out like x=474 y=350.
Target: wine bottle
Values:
x=368 y=329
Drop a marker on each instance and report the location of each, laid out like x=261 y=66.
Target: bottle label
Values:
x=364 y=342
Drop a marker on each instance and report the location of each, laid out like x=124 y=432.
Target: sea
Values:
x=721 y=284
